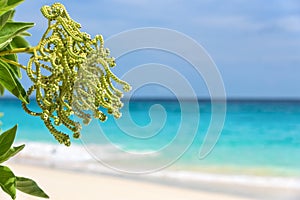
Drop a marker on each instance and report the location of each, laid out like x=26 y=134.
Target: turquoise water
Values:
x=258 y=138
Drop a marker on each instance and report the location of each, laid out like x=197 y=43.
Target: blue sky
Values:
x=255 y=44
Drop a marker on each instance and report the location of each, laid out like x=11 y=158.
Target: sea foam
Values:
x=78 y=158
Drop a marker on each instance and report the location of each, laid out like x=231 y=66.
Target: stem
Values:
x=18 y=50
x=13 y=63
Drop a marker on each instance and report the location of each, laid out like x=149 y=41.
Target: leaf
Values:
x=12 y=15
x=6 y=140
x=5 y=43
x=28 y=186
x=19 y=42
x=3 y=3
x=1 y=90
x=8 y=181
x=7 y=5
x=11 y=83
x=11 y=152
x=12 y=29
x=15 y=69
x=24 y=33
x=5 y=17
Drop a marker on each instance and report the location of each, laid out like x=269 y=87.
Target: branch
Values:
x=13 y=63
x=18 y=50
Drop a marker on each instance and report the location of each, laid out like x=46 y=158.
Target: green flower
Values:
x=71 y=74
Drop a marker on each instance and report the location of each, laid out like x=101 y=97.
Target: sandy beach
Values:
x=63 y=185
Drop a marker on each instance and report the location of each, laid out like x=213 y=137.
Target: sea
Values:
x=258 y=143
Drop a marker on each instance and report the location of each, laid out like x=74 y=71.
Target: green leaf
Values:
x=1 y=90
x=24 y=33
x=19 y=42
x=7 y=5
x=11 y=152
x=28 y=186
x=6 y=140
x=5 y=17
x=11 y=83
x=15 y=69
x=11 y=30
x=8 y=181
x=12 y=15
x=5 y=43
x=3 y=3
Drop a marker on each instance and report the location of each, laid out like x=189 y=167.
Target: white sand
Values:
x=65 y=185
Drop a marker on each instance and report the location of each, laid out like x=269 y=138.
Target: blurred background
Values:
x=255 y=44
x=256 y=47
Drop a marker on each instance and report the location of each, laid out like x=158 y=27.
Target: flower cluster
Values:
x=71 y=75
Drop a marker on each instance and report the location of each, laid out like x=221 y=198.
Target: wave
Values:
x=243 y=180
x=78 y=158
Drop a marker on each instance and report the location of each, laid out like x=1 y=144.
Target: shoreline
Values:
x=75 y=159
x=62 y=184
x=177 y=189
